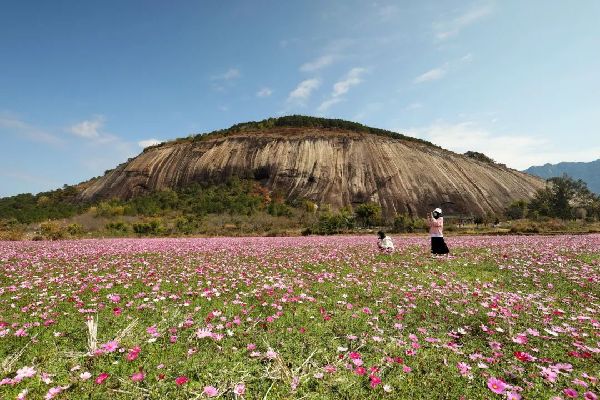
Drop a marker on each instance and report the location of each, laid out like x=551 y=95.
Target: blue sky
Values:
x=85 y=85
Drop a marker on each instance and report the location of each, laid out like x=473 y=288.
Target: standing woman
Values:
x=435 y=221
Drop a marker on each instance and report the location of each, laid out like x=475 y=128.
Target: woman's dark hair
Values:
x=381 y=234
x=436 y=214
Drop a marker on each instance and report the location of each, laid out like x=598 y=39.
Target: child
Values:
x=385 y=242
x=435 y=221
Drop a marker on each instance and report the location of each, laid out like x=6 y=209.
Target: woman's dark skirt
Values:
x=438 y=246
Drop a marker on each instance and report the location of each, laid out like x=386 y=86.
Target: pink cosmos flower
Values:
x=110 y=347
x=210 y=391
x=360 y=371
x=181 y=380
x=21 y=332
x=495 y=346
x=463 y=368
x=358 y=362
x=138 y=376
x=101 y=378
x=53 y=392
x=406 y=369
x=239 y=389
x=84 y=376
x=23 y=394
x=590 y=396
x=152 y=331
x=133 y=353
x=570 y=393
x=271 y=354
x=513 y=396
x=204 y=333
x=25 y=372
x=549 y=374
x=496 y=385
x=375 y=380
x=46 y=378
x=579 y=382
x=520 y=339
x=330 y=369
x=251 y=346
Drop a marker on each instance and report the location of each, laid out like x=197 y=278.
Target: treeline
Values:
x=303 y=121
x=563 y=198
x=27 y=208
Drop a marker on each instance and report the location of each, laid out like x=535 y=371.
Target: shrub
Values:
x=153 y=227
x=524 y=227
x=278 y=209
x=75 y=229
x=52 y=230
x=368 y=214
x=13 y=235
x=516 y=210
x=187 y=224
x=117 y=227
x=106 y=209
x=403 y=223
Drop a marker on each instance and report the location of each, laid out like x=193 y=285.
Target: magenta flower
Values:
x=110 y=347
x=570 y=393
x=101 y=378
x=496 y=385
x=590 y=396
x=181 y=380
x=375 y=380
x=133 y=353
x=138 y=376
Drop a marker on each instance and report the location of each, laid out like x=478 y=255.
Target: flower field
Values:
x=316 y=318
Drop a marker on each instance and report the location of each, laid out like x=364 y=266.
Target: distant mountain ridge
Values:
x=589 y=172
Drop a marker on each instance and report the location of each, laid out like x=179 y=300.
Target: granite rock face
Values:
x=328 y=166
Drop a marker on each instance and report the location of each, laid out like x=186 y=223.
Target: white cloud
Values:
x=353 y=78
x=89 y=129
x=317 y=64
x=324 y=106
x=148 y=142
x=447 y=29
x=516 y=151
x=431 y=75
x=14 y=125
x=304 y=90
x=264 y=92
x=230 y=74
x=341 y=87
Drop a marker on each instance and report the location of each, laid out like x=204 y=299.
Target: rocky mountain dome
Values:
x=326 y=161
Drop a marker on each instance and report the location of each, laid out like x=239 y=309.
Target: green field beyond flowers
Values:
x=312 y=318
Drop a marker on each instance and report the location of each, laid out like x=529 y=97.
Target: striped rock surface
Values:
x=328 y=166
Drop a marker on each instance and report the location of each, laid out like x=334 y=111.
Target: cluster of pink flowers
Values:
x=501 y=331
